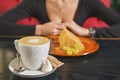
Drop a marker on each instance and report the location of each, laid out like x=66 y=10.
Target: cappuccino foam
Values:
x=34 y=40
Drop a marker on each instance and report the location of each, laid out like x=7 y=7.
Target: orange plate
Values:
x=90 y=47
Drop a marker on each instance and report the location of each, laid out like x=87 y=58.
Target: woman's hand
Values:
x=50 y=28
x=76 y=29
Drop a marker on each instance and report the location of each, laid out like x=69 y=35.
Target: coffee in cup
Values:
x=33 y=50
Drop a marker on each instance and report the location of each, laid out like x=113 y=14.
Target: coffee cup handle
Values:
x=16 y=45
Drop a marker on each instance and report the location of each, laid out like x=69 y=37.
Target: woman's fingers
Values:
x=69 y=24
x=60 y=26
x=56 y=32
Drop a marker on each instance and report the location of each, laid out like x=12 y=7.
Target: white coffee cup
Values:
x=33 y=50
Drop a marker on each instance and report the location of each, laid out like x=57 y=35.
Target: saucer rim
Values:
x=28 y=76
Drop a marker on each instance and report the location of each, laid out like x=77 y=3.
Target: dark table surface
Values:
x=102 y=65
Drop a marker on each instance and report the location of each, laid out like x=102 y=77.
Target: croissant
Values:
x=69 y=42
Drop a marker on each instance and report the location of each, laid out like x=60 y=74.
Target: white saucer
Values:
x=27 y=73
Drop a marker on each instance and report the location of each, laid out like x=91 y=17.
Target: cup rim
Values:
x=36 y=44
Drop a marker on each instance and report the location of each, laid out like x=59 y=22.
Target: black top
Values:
x=37 y=9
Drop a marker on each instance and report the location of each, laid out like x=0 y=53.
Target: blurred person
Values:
x=56 y=15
